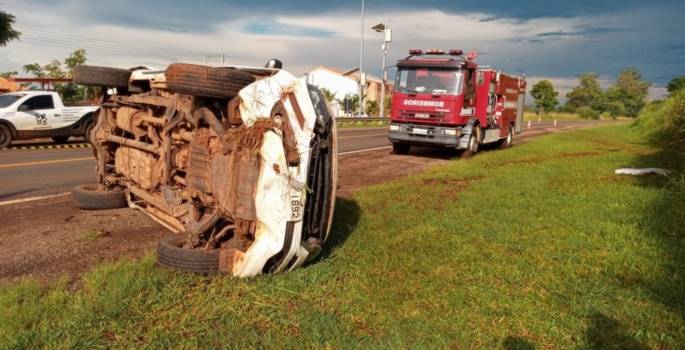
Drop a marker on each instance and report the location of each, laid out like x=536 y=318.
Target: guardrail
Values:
x=361 y=122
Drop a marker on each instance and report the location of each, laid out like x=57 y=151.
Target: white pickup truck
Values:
x=35 y=114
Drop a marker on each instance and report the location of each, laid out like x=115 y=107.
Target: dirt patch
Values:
x=371 y=168
x=51 y=238
x=458 y=183
x=535 y=160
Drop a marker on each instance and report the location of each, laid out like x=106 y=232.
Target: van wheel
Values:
x=90 y=197
x=400 y=148
x=60 y=139
x=5 y=136
x=203 y=81
x=172 y=254
x=474 y=143
x=101 y=76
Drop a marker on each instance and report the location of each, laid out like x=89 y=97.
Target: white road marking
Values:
x=33 y=199
x=366 y=135
x=363 y=150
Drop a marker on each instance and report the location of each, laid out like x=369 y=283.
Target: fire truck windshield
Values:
x=430 y=81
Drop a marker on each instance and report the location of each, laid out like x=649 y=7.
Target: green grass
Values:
x=360 y=124
x=532 y=116
x=539 y=246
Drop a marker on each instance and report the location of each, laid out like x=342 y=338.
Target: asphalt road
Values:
x=29 y=173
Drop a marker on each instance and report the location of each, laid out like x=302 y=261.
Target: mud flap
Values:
x=466 y=134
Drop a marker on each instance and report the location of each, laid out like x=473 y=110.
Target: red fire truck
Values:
x=445 y=99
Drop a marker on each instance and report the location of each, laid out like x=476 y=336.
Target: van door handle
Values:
x=58 y=115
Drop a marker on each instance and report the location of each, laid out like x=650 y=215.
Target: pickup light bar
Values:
x=456 y=52
x=435 y=52
x=415 y=51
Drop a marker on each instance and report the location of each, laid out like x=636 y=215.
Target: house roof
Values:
x=332 y=69
x=6 y=85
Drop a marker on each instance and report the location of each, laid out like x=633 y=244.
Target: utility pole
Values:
x=362 y=78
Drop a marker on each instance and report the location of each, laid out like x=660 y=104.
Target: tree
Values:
x=387 y=104
x=630 y=90
x=676 y=84
x=587 y=94
x=372 y=108
x=74 y=60
x=8 y=74
x=70 y=92
x=7 y=33
x=328 y=95
x=350 y=103
x=545 y=96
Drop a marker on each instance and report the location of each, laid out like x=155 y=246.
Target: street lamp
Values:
x=382 y=28
x=362 y=78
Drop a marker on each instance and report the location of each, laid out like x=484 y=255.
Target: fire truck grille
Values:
x=419 y=115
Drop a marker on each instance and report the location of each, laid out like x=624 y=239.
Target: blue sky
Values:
x=544 y=39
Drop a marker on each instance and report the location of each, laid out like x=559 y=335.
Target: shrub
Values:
x=586 y=112
x=664 y=121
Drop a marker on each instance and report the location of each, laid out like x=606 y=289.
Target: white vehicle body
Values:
x=33 y=114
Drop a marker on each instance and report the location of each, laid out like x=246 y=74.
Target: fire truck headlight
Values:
x=394 y=127
x=451 y=132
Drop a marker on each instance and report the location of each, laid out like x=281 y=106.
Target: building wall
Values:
x=335 y=82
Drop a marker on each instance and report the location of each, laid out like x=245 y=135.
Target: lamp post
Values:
x=387 y=32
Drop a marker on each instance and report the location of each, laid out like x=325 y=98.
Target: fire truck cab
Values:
x=444 y=99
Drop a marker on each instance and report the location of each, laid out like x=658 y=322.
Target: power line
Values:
x=110 y=47
x=111 y=43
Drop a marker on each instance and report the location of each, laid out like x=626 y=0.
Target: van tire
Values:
x=102 y=76
x=171 y=254
x=89 y=197
x=203 y=81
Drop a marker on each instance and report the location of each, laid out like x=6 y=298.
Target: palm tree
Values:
x=7 y=33
x=328 y=95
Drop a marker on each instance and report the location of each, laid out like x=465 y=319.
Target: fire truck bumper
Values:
x=425 y=135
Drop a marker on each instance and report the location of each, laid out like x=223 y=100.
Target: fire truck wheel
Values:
x=89 y=197
x=506 y=143
x=400 y=148
x=192 y=79
x=474 y=143
x=101 y=76
x=171 y=254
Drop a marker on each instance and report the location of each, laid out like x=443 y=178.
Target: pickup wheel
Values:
x=89 y=197
x=88 y=131
x=171 y=254
x=203 y=81
x=5 y=136
x=60 y=139
x=102 y=76
x=401 y=148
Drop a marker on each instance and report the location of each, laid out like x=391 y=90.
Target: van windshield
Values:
x=8 y=100
x=430 y=81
